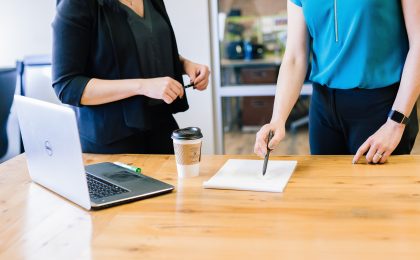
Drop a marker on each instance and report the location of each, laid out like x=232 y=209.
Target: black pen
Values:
x=267 y=155
x=189 y=86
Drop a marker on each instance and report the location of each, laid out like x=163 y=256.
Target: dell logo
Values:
x=48 y=148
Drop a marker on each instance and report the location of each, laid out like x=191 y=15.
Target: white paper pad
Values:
x=247 y=175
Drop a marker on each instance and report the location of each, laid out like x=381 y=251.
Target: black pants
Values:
x=155 y=141
x=340 y=121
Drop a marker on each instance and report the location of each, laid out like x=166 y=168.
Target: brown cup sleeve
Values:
x=187 y=154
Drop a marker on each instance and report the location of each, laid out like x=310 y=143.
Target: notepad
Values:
x=247 y=175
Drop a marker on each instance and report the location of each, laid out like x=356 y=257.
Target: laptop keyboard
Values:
x=99 y=189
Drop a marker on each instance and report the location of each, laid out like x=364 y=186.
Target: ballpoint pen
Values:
x=189 y=86
x=267 y=155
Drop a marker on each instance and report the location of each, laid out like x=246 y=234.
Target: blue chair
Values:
x=7 y=90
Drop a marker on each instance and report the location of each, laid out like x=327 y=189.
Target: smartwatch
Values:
x=398 y=117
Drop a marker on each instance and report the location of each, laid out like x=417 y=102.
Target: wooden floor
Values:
x=293 y=144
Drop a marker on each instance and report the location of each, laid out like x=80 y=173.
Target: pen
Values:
x=189 y=86
x=267 y=155
x=128 y=167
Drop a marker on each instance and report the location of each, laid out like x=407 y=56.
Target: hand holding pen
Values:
x=198 y=74
x=260 y=147
x=189 y=86
x=163 y=88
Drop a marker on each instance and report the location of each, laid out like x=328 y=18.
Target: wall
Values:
x=191 y=22
x=25 y=28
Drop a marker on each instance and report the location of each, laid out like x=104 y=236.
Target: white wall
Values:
x=25 y=29
x=191 y=22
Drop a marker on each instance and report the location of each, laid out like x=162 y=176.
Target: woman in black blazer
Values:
x=117 y=63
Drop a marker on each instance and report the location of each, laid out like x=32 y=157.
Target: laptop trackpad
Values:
x=122 y=176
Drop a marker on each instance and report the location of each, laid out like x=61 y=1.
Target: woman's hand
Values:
x=260 y=147
x=164 y=88
x=199 y=74
x=381 y=144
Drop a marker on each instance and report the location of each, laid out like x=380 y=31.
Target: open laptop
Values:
x=52 y=145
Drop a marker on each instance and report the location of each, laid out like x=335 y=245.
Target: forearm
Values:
x=183 y=61
x=289 y=85
x=99 y=91
x=409 y=90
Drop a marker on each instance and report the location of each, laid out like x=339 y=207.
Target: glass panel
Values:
x=252 y=37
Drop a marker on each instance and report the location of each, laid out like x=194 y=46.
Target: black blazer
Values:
x=92 y=40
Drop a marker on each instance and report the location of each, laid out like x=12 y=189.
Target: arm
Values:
x=99 y=91
x=71 y=49
x=387 y=138
x=71 y=43
x=290 y=81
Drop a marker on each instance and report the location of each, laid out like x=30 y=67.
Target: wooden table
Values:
x=331 y=209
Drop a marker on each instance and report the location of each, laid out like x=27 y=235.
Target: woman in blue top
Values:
x=365 y=65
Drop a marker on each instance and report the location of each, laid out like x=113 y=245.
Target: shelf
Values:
x=245 y=63
x=256 y=90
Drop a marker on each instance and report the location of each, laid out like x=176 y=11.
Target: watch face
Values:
x=398 y=117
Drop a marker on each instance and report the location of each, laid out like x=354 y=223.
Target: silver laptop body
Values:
x=54 y=155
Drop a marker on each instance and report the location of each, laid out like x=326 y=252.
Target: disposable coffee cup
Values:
x=187 y=146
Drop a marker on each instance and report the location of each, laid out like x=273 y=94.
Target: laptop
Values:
x=53 y=151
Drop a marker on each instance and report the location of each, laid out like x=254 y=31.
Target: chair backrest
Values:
x=36 y=80
x=7 y=89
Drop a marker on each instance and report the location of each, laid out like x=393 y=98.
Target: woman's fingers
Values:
x=202 y=85
x=172 y=93
x=385 y=156
x=262 y=139
x=361 y=151
x=192 y=76
x=168 y=99
x=202 y=79
x=381 y=144
x=278 y=136
x=379 y=154
x=178 y=88
x=260 y=142
x=202 y=73
x=257 y=149
x=375 y=152
x=174 y=89
x=373 y=148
